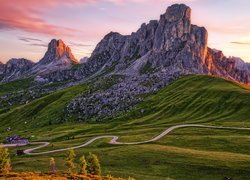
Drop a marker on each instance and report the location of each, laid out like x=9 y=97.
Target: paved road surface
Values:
x=114 y=139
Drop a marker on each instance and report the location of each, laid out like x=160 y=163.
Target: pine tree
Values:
x=5 y=163
x=83 y=166
x=93 y=165
x=52 y=164
x=70 y=161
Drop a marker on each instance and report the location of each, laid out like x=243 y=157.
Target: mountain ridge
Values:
x=168 y=47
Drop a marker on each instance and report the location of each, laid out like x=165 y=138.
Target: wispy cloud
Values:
x=33 y=41
x=27 y=39
x=38 y=42
x=241 y=43
x=73 y=44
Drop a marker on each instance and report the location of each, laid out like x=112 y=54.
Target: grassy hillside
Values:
x=187 y=153
x=41 y=112
x=15 y=86
x=195 y=99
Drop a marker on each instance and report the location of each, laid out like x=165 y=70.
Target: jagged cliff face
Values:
x=57 y=57
x=169 y=47
x=172 y=45
x=230 y=68
x=57 y=50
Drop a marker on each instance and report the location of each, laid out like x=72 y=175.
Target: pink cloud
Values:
x=26 y=15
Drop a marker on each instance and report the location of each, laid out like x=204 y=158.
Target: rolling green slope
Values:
x=195 y=99
x=41 y=112
x=15 y=86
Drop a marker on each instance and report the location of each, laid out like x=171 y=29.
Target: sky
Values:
x=27 y=26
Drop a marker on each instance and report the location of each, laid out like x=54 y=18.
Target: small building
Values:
x=15 y=139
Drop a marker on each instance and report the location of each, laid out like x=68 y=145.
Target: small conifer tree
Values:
x=93 y=165
x=5 y=163
x=83 y=166
x=52 y=164
x=70 y=161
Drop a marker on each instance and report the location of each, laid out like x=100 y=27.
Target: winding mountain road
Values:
x=114 y=139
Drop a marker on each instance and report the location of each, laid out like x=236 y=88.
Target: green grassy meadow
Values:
x=186 y=153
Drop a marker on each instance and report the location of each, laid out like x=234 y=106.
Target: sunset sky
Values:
x=26 y=26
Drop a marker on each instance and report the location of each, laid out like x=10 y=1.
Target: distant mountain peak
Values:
x=57 y=50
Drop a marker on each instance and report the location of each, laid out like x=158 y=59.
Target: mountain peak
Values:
x=57 y=50
x=177 y=12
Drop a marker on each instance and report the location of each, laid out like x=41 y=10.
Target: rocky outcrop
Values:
x=14 y=68
x=57 y=57
x=2 y=67
x=170 y=45
x=56 y=51
x=231 y=68
x=83 y=60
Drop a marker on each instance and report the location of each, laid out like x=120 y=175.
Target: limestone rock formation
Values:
x=14 y=68
x=170 y=45
x=57 y=57
x=231 y=68
x=56 y=51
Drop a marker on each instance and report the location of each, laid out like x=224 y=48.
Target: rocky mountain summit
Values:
x=58 y=57
x=170 y=46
